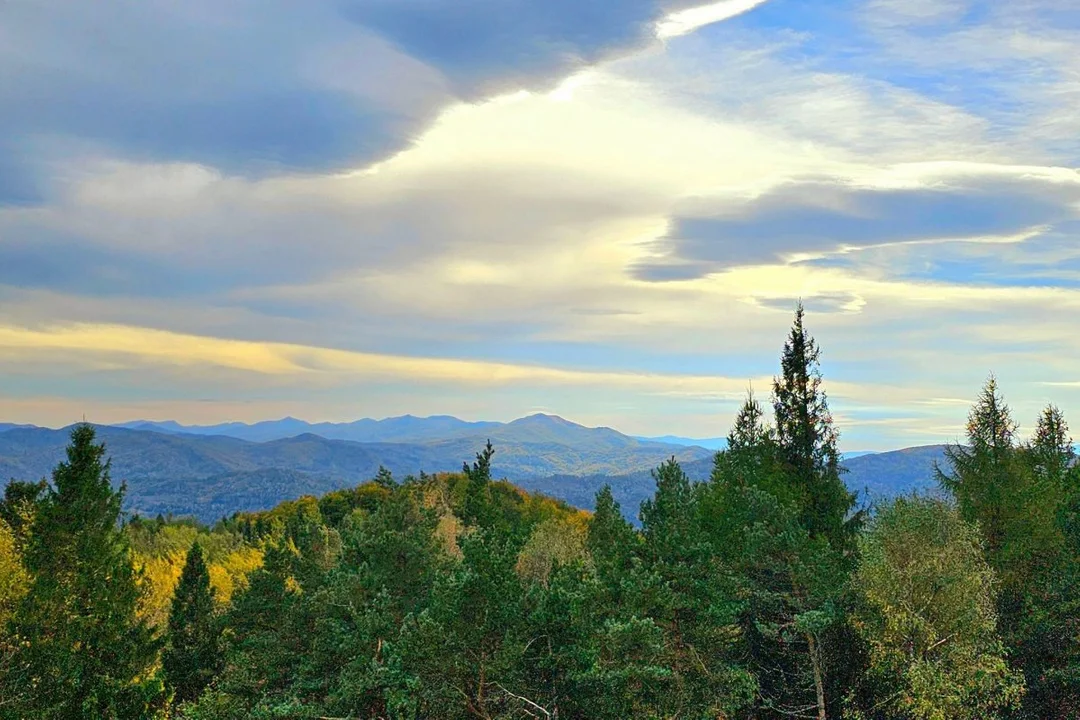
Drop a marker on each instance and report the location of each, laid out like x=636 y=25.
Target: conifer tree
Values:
x=477 y=505
x=611 y=540
x=807 y=440
x=193 y=654
x=984 y=474
x=686 y=592
x=749 y=430
x=83 y=651
x=1051 y=447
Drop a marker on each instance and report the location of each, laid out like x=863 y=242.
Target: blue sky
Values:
x=247 y=209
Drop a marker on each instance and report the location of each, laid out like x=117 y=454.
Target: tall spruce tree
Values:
x=193 y=655
x=1052 y=447
x=984 y=475
x=83 y=652
x=611 y=542
x=807 y=440
x=476 y=508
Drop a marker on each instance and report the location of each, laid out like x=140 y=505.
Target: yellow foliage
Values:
x=13 y=578
x=230 y=574
x=161 y=573
x=447 y=532
x=159 y=577
x=556 y=541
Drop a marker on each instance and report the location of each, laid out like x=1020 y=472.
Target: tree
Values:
x=689 y=594
x=807 y=440
x=1019 y=495
x=19 y=505
x=790 y=588
x=611 y=542
x=476 y=509
x=83 y=651
x=13 y=585
x=1051 y=447
x=984 y=474
x=193 y=655
x=928 y=614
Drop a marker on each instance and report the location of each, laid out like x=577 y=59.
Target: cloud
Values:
x=261 y=88
x=164 y=348
x=689 y=20
x=814 y=217
x=544 y=196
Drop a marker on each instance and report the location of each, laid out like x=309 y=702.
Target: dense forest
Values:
x=769 y=591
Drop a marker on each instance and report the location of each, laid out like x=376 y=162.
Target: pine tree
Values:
x=687 y=593
x=193 y=655
x=1051 y=447
x=808 y=439
x=611 y=540
x=1019 y=495
x=476 y=509
x=749 y=430
x=83 y=651
x=985 y=474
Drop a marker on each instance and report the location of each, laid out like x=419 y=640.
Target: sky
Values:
x=244 y=209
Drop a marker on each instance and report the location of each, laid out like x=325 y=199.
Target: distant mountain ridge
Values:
x=184 y=472
x=401 y=429
x=717 y=443
x=208 y=471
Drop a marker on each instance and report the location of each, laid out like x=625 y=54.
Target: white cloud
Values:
x=687 y=21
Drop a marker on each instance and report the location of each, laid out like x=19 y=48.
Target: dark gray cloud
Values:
x=238 y=89
x=482 y=44
x=258 y=87
x=821 y=216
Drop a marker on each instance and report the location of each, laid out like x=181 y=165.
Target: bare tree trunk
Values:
x=819 y=685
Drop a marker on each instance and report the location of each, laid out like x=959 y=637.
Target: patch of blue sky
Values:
x=989 y=271
x=839 y=37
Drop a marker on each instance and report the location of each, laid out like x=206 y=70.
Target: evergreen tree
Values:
x=807 y=440
x=611 y=542
x=749 y=431
x=476 y=509
x=689 y=594
x=984 y=475
x=1052 y=447
x=193 y=655
x=83 y=652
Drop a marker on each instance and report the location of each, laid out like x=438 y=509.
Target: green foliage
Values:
x=807 y=440
x=193 y=655
x=19 y=506
x=81 y=650
x=758 y=595
x=927 y=612
x=1022 y=497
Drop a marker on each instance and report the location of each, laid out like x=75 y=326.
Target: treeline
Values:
x=765 y=592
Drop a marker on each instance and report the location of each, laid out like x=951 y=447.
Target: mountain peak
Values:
x=544 y=419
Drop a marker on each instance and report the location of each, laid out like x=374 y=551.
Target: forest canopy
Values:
x=767 y=591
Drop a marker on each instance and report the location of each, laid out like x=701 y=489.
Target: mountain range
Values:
x=212 y=471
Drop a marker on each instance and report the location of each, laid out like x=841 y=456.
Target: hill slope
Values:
x=169 y=472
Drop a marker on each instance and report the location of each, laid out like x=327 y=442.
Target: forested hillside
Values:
x=766 y=591
x=209 y=476
x=212 y=476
